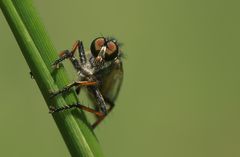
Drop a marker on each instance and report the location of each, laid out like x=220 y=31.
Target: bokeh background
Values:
x=180 y=96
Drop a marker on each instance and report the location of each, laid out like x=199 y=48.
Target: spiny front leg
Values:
x=68 y=87
x=62 y=56
x=77 y=105
x=70 y=55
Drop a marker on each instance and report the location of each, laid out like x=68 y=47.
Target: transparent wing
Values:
x=112 y=82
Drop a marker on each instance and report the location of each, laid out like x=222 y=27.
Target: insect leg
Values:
x=62 y=56
x=65 y=55
x=78 y=89
x=68 y=87
x=77 y=105
x=99 y=119
x=99 y=98
x=81 y=51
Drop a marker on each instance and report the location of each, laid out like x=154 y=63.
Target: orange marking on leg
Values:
x=75 y=46
x=86 y=83
x=100 y=119
x=90 y=110
x=62 y=53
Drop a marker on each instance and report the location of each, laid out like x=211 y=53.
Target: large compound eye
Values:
x=99 y=43
x=111 y=47
x=96 y=45
x=112 y=51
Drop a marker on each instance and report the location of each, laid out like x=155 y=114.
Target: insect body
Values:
x=101 y=72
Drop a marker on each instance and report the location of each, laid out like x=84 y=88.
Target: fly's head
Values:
x=104 y=50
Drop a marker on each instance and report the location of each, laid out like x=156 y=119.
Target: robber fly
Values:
x=101 y=72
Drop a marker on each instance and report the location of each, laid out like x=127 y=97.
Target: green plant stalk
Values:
x=39 y=54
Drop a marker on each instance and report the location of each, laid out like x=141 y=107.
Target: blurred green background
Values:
x=180 y=96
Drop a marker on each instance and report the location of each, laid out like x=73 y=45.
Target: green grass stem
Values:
x=39 y=53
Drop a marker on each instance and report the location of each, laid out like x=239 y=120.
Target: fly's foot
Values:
x=52 y=109
x=62 y=91
x=57 y=65
x=53 y=93
x=31 y=75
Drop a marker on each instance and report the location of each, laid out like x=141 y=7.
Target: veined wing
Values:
x=111 y=83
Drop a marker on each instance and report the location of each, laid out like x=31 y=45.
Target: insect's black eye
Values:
x=96 y=45
x=112 y=51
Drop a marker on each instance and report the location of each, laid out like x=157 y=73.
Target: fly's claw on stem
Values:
x=31 y=75
x=62 y=91
x=56 y=65
x=52 y=109
x=53 y=94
